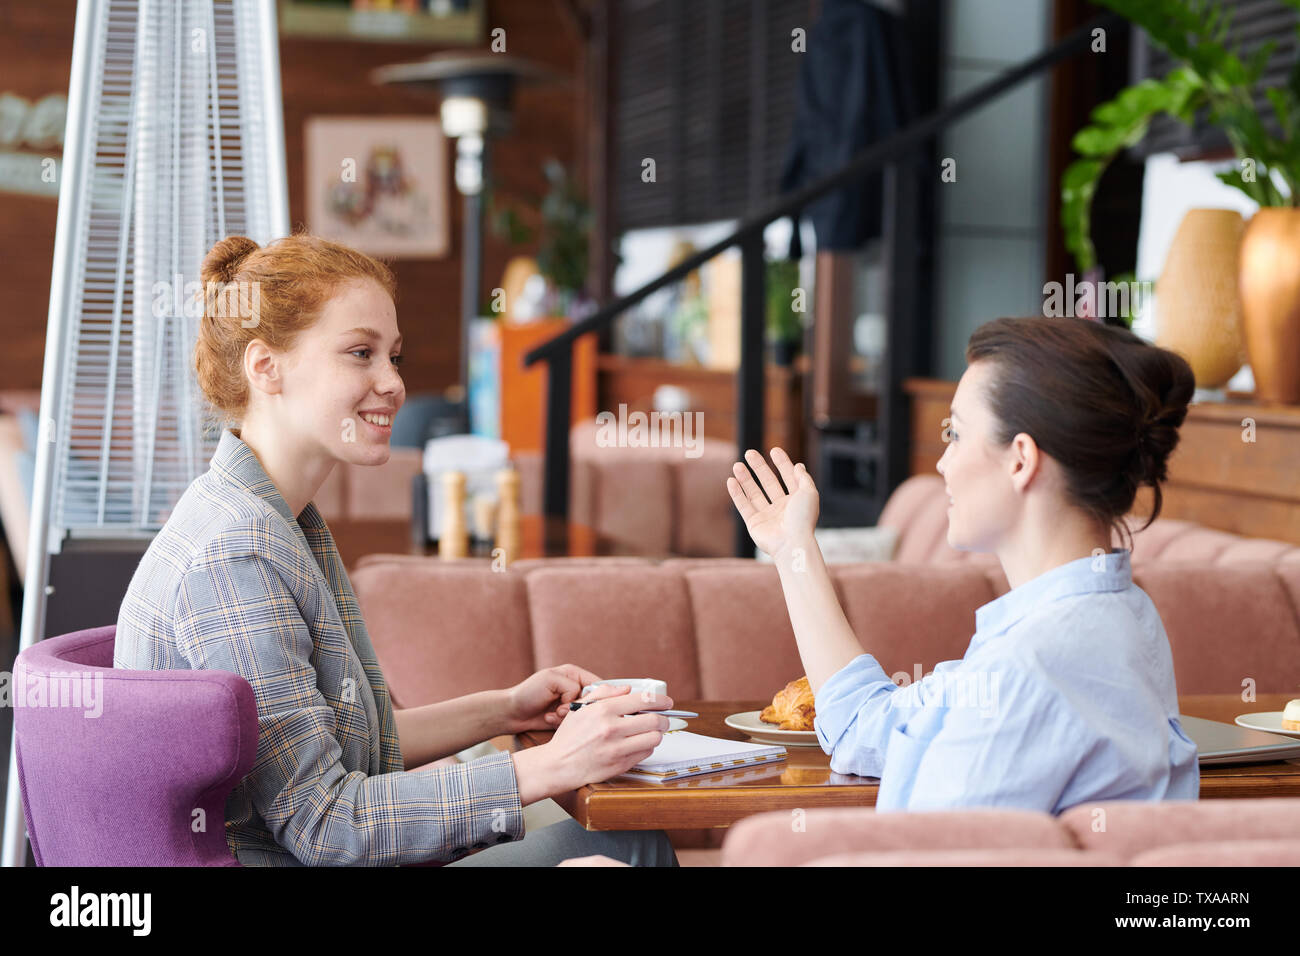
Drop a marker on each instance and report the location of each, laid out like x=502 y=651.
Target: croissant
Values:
x=792 y=707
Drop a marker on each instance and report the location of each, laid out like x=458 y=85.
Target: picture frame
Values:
x=379 y=184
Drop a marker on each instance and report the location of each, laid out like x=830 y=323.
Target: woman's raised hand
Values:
x=775 y=519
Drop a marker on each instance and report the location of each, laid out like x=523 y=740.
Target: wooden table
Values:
x=542 y=536
x=804 y=780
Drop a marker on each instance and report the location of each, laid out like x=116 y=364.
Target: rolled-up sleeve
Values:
x=996 y=738
x=238 y=614
x=859 y=707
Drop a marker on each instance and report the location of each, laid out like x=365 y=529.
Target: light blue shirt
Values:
x=1065 y=696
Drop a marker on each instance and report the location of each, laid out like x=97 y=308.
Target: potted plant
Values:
x=1212 y=79
x=542 y=297
x=562 y=253
x=784 y=328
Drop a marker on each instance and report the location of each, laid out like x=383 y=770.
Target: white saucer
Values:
x=748 y=723
x=1269 y=720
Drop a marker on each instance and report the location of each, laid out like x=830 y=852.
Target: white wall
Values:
x=993 y=219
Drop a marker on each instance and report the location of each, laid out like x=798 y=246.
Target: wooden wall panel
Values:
x=35 y=60
x=319 y=77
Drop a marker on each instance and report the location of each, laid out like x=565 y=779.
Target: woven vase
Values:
x=1198 y=313
x=1270 y=303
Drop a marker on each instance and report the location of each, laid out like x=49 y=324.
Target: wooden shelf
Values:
x=384 y=26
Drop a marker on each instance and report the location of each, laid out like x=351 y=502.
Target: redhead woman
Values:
x=1066 y=693
x=245 y=577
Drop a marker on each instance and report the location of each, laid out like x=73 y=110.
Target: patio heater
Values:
x=477 y=93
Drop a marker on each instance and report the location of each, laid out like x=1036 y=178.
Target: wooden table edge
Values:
x=718 y=809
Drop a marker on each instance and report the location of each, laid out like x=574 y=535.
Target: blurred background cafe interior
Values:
x=718 y=212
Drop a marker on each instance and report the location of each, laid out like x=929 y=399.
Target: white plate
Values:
x=1269 y=720
x=748 y=723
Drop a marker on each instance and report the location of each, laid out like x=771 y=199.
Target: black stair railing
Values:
x=892 y=156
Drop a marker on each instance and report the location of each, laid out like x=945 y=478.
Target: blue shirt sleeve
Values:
x=1015 y=745
x=859 y=707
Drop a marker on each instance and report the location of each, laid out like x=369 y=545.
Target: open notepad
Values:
x=684 y=754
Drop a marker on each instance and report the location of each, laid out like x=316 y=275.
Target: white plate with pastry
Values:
x=1269 y=720
x=787 y=720
x=748 y=723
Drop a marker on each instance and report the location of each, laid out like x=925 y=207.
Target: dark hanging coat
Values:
x=851 y=95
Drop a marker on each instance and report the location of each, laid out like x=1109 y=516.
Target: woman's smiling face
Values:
x=342 y=386
x=976 y=471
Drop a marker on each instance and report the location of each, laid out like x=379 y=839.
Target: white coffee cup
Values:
x=647 y=687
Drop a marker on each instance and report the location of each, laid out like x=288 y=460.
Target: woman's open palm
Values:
x=776 y=519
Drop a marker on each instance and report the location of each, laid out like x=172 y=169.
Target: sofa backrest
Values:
x=718 y=629
x=918 y=511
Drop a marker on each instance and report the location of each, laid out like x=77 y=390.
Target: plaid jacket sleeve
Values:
x=237 y=609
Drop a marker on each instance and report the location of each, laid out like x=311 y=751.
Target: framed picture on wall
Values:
x=378 y=184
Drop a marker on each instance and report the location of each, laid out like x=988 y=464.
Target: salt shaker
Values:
x=508 y=531
x=453 y=541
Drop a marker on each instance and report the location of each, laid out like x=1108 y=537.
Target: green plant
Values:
x=562 y=252
x=783 y=324
x=1209 y=78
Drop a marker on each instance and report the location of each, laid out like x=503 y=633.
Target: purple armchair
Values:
x=116 y=774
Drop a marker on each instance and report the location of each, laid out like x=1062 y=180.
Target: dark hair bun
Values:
x=1163 y=384
x=221 y=264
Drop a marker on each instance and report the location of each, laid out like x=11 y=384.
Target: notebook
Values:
x=684 y=754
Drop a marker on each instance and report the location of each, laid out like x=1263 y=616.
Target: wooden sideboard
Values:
x=1217 y=476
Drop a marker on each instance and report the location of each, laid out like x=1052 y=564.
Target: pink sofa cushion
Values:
x=1016 y=856
x=731 y=606
x=918 y=509
x=440 y=632
x=632 y=502
x=526 y=565
x=1223 y=853
x=383 y=492
x=623 y=621
x=1130 y=827
x=773 y=839
x=1227 y=623
x=686 y=564
x=907 y=615
x=703 y=522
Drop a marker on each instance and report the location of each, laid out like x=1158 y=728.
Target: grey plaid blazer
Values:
x=232 y=582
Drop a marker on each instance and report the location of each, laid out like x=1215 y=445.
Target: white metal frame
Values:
x=263 y=94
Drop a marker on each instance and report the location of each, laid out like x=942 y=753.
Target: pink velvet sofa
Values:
x=1260 y=832
x=656 y=500
x=718 y=628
